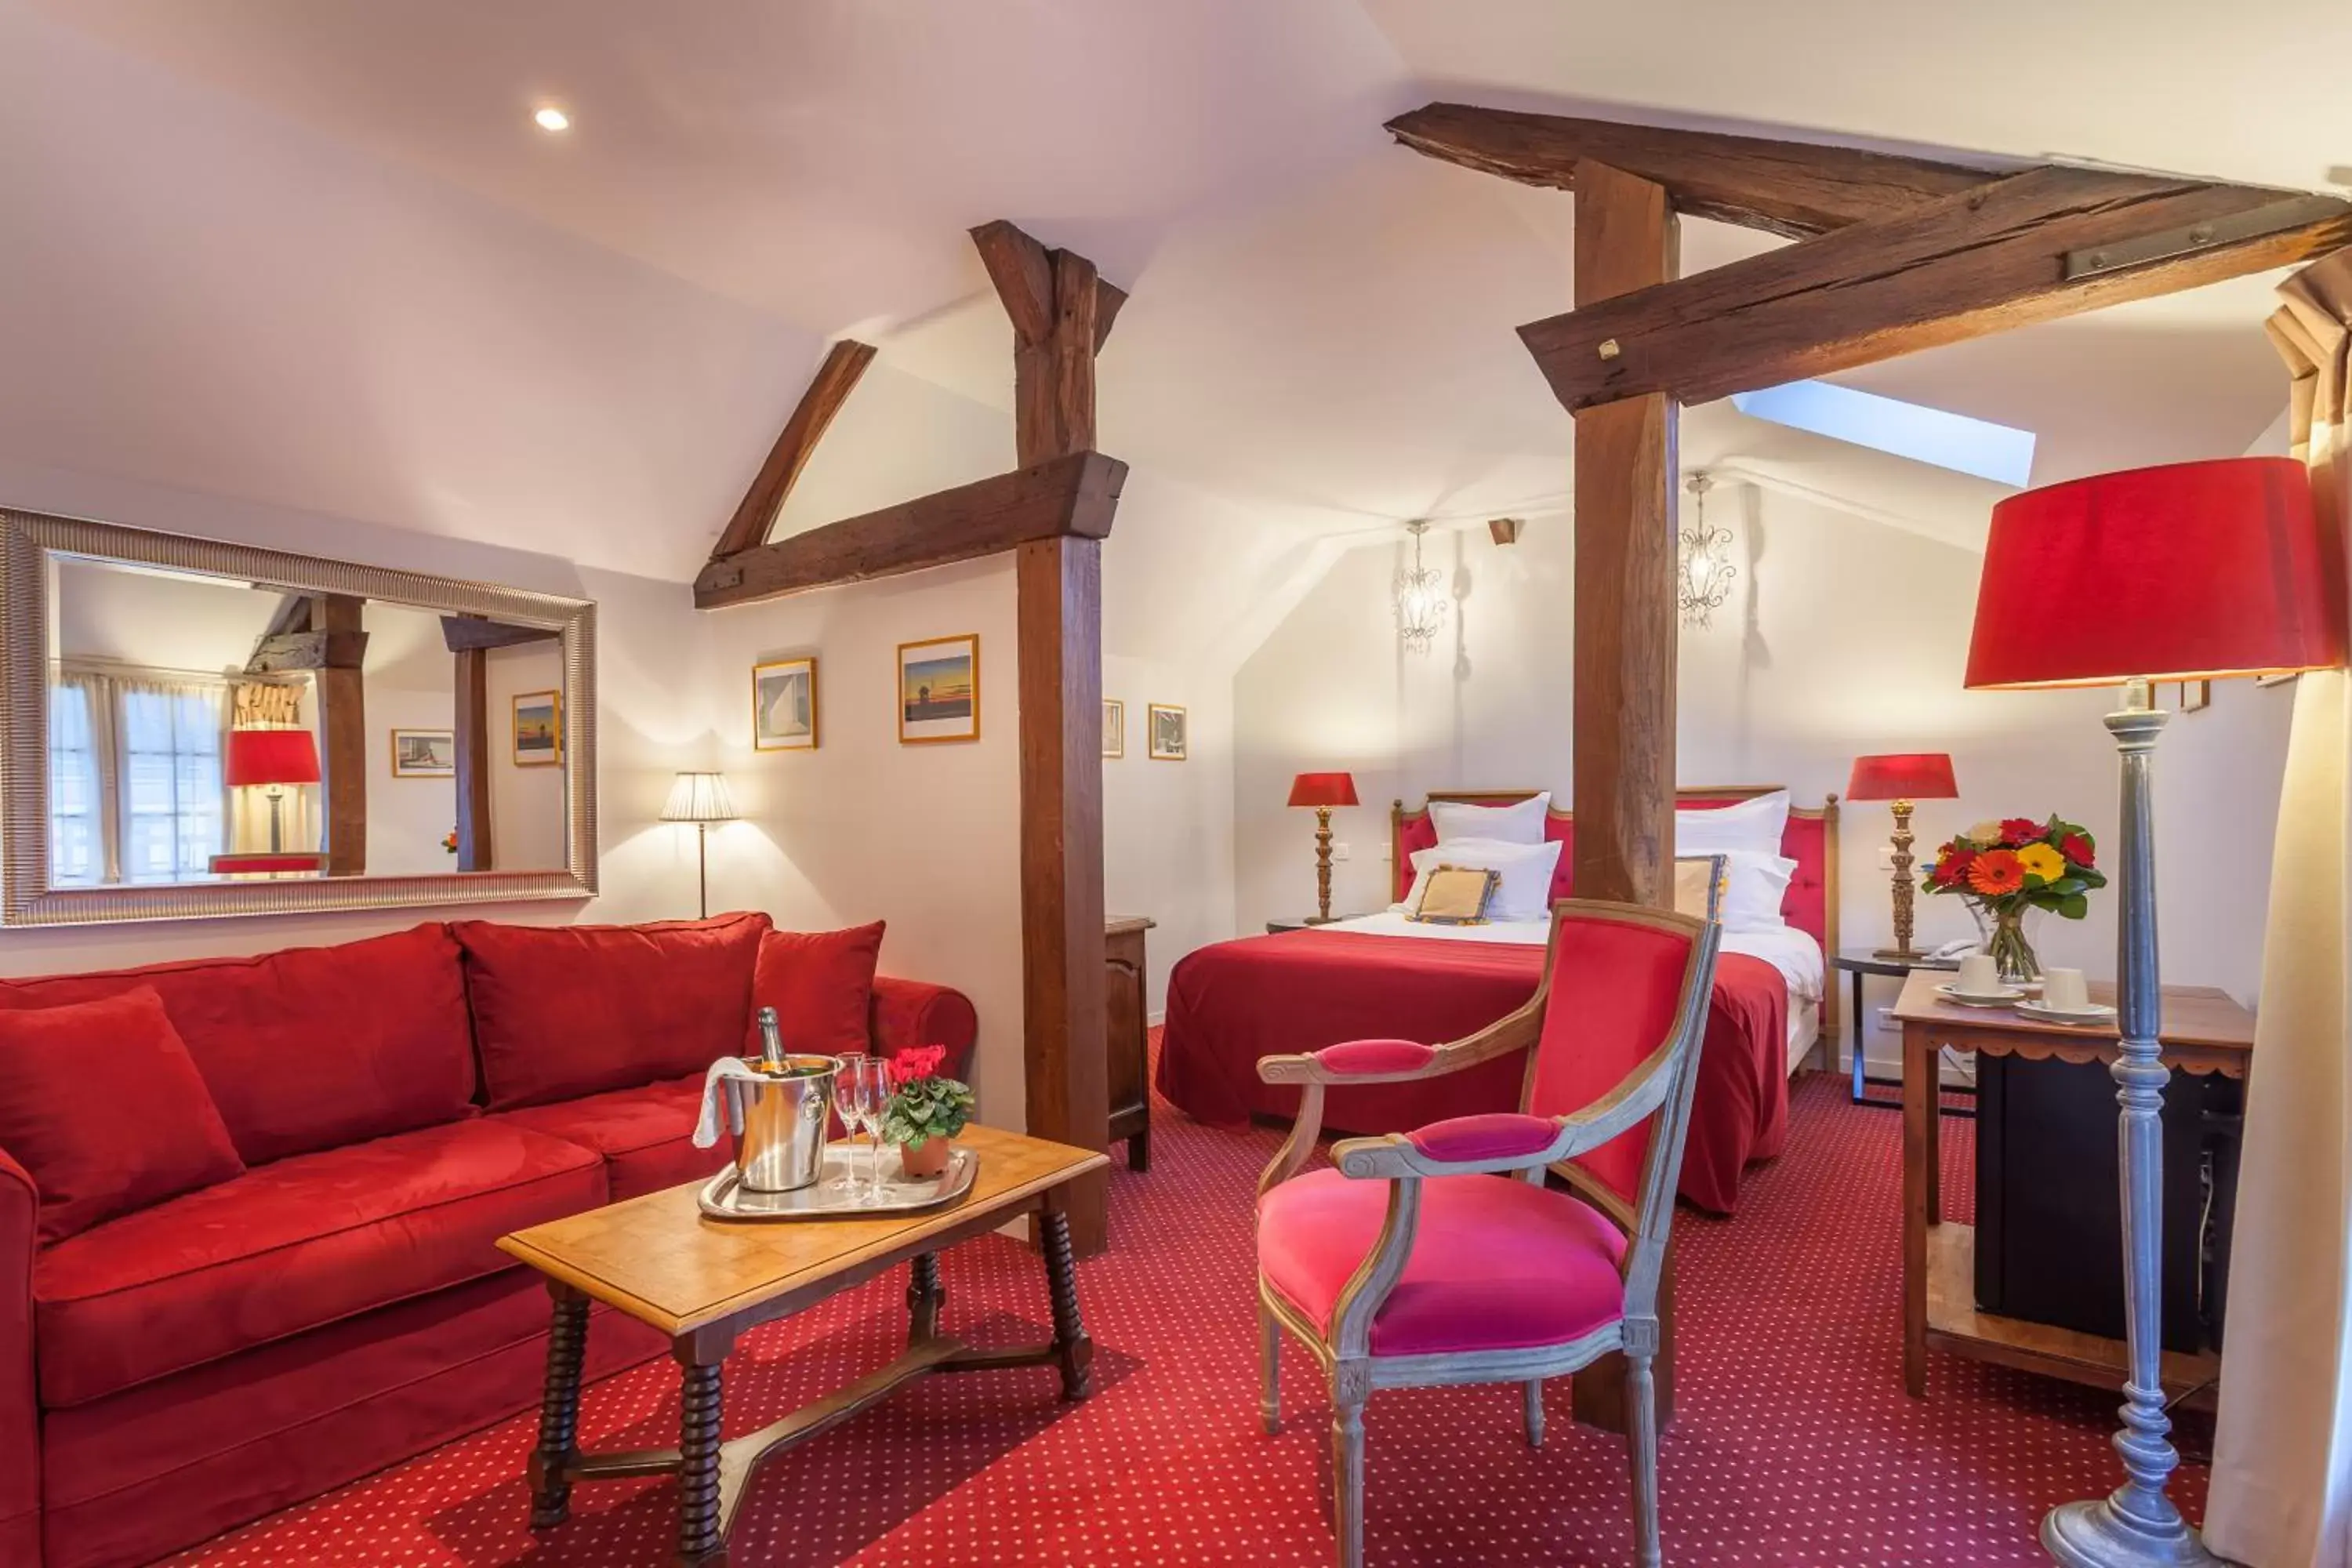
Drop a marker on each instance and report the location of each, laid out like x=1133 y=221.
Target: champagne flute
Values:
x=875 y=1100
x=849 y=1104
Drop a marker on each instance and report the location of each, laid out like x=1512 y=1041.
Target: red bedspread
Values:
x=1230 y=1003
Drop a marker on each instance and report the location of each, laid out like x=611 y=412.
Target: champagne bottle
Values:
x=772 y=1043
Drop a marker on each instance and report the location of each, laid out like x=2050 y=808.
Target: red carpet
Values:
x=1793 y=1442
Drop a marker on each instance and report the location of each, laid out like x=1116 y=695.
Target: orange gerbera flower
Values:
x=1997 y=871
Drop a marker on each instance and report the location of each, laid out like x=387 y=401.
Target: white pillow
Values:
x=1519 y=823
x=1525 y=892
x=1754 y=886
x=1753 y=825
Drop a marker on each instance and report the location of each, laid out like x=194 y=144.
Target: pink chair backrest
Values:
x=1615 y=987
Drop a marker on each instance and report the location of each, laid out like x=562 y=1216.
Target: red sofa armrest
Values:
x=20 y=1414
x=906 y=1013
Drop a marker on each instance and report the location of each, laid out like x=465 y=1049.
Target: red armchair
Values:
x=1414 y=1261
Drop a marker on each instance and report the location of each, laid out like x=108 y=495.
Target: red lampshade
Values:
x=271 y=757
x=2186 y=572
x=1905 y=775
x=1323 y=789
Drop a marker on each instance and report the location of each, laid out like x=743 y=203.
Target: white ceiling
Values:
x=318 y=255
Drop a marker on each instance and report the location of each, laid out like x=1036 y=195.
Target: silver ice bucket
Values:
x=784 y=1113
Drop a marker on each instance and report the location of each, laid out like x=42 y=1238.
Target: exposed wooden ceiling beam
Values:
x=845 y=362
x=2028 y=247
x=1793 y=188
x=1074 y=496
x=1024 y=272
x=460 y=633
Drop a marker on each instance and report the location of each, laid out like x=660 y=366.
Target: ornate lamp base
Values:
x=2100 y=1535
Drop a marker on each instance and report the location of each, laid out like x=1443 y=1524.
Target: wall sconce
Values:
x=1703 y=577
x=1420 y=598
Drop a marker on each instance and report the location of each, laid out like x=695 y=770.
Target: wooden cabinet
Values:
x=1130 y=1019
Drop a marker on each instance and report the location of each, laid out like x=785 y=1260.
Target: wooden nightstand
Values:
x=1127 y=993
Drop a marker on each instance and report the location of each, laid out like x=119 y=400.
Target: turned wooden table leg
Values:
x=1075 y=1351
x=559 y=1409
x=700 y=1542
x=925 y=1297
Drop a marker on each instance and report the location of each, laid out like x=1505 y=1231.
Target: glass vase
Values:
x=2006 y=933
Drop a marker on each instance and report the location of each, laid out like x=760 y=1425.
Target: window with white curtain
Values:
x=77 y=847
x=135 y=785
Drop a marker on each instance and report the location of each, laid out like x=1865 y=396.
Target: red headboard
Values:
x=1810 y=839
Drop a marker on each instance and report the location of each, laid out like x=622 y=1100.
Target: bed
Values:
x=1235 y=1002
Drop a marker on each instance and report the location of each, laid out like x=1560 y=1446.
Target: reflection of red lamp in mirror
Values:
x=271 y=759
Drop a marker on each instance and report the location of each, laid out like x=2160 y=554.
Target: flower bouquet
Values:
x=925 y=1110
x=2004 y=868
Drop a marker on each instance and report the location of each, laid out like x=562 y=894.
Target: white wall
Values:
x=1843 y=637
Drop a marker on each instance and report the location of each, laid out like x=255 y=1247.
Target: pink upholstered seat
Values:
x=1497 y=1264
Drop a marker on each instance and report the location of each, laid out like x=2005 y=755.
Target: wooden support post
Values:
x=343 y=724
x=473 y=746
x=1057 y=303
x=1625 y=621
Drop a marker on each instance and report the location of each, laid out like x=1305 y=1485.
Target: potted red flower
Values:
x=925 y=1112
x=2006 y=868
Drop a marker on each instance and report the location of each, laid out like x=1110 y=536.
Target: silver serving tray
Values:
x=724 y=1197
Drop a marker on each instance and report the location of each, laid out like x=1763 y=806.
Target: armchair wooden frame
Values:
x=1663 y=1083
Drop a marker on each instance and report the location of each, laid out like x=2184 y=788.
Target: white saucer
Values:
x=2096 y=1012
x=2008 y=995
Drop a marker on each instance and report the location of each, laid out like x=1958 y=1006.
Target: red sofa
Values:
x=397 y=1104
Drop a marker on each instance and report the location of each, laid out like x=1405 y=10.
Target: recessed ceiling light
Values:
x=550 y=118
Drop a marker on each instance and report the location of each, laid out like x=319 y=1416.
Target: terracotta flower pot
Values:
x=922 y=1163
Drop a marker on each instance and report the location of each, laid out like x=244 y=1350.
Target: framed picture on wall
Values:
x=938 y=689
x=424 y=753
x=538 y=729
x=1113 y=727
x=1165 y=727
x=783 y=705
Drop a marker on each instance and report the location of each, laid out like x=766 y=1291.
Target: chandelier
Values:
x=1420 y=598
x=1703 y=577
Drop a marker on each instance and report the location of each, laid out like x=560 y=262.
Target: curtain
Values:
x=136 y=790
x=266 y=704
x=2282 y=1488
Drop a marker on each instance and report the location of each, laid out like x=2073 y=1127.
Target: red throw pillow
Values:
x=565 y=1011
x=820 y=984
x=102 y=1105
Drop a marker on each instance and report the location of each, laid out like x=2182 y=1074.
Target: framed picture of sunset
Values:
x=938 y=689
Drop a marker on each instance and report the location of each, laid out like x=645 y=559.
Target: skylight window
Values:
x=1910 y=430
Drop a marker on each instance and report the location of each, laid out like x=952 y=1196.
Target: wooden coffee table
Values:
x=704 y=1282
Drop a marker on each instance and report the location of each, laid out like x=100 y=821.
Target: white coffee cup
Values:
x=2063 y=991
x=1978 y=977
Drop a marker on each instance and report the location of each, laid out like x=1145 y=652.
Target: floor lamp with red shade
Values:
x=2187 y=572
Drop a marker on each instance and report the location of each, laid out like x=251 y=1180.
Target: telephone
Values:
x=1954 y=949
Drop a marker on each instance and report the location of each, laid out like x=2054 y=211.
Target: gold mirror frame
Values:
x=28 y=541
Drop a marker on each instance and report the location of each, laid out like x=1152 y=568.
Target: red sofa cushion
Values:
x=645 y=1135
x=565 y=1011
x=312 y=1047
x=102 y=1104
x=291 y=1246
x=820 y=984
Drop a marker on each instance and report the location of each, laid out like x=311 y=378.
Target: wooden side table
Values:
x=2203 y=1031
x=1126 y=1051
x=1861 y=962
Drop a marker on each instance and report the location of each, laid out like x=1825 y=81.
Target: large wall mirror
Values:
x=200 y=729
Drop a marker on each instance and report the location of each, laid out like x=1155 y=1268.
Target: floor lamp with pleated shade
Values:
x=2187 y=572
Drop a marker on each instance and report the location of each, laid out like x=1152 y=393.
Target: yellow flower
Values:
x=2042 y=861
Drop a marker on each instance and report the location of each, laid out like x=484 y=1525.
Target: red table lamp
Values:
x=273 y=758
x=1902 y=778
x=2189 y=572
x=1323 y=791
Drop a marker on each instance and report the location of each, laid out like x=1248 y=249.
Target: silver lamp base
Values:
x=2098 y=1535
